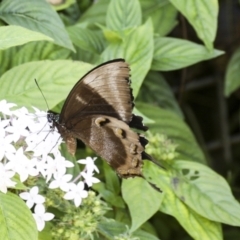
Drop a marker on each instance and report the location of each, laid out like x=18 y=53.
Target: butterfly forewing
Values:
x=104 y=90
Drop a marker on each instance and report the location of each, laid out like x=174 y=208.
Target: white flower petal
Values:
x=77 y=201
x=24 y=195
x=69 y=195
x=48 y=216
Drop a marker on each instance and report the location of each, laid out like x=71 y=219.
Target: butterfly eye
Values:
x=50 y=117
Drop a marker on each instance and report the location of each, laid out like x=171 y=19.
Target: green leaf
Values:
x=7 y=58
x=112 y=180
x=202 y=15
x=36 y=51
x=207 y=193
x=85 y=56
x=15 y=35
x=137 y=49
x=139 y=53
x=156 y=90
x=123 y=14
x=232 y=81
x=17 y=85
x=19 y=185
x=146 y=203
x=86 y=39
x=109 y=196
x=197 y=226
x=110 y=229
x=16 y=220
x=112 y=51
x=113 y=36
x=173 y=53
x=74 y=171
x=45 y=234
x=63 y=5
x=95 y=14
x=146 y=120
x=163 y=15
x=37 y=16
x=29 y=52
x=142 y=235
x=169 y=124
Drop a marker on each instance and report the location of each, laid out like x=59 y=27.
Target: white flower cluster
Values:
x=37 y=155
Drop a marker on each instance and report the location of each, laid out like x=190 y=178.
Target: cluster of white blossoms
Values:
x=29 y=147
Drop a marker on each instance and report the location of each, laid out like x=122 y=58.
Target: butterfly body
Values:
x=98 y=111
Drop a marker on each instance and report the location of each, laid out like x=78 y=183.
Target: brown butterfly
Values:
x=98 y=111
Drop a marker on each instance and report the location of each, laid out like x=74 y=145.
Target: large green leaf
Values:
x=16 y=220
x=29 y=52
x=123 y=14
x=156 y=90
x=46 y=233
x=163 y=15
x=85 y=56
x=173 y=53
x=109 y=196
x=142 y=235
x=171 y=125
x=206 y=192
x=7 y=58
x=146 y=203
x=37 y=16
x=196 y=225
x=55 y=78
x=39 y=51
x=15 y=35
x=86 y=39
x=146 y=120
x=111 y=178
x=137 y=49
x=95 y=14
x=232 y=80
x=139 y=53
x=202 y=15
x=110 y=229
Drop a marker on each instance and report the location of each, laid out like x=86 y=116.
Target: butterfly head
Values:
x=52 y=117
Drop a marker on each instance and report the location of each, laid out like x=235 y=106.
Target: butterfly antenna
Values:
x=41 y=93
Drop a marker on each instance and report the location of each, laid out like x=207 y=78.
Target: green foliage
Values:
x=163 y=15
x=145 y=205
x=202 y=15
x=16 y=220
x=232 y=82
x=17 y=85
x=172 y=54
x=135 y=30
x=156 y=90
x=37 y=16
x=171 y=125
x=15 y=35
x=195 y=224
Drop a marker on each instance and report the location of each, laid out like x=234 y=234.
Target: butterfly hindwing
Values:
x=114 y=141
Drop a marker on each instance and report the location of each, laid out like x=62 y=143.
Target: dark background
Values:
x=199 y=90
